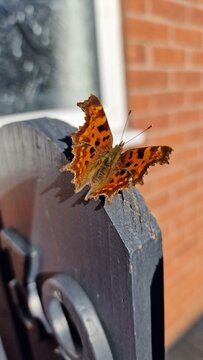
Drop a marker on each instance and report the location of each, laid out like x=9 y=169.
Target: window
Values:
x=84 y=55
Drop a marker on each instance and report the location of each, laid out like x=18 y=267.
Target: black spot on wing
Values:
x=122 y=172
x=128 y=164
x=103 y=127
x=130 y=155
x=140 y=153
x=97 y=143
x=92 y=150
x=106 y=138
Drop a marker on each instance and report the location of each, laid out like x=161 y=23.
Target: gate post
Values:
x=112 y=254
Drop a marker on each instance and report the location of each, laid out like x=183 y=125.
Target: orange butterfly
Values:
x=104 y=168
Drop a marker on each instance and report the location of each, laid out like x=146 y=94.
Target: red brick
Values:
x=188 y=37
x=186 y=187
x=147 y=79
x=158 y=200
x=194 y=96
x=186 y=78
x=148 y=102
x=194 y=15
x=166 y=100
x=168 y=56
x=196 y=134
x=138 y=103
x=197 y=58
x=186 y=154
x=135 y=54
x=143 y=29
x=195 y=167
x=179 y=226
x=169 y=9
x=165 y=181
x=173 y=139
x=157 y=121
x=185 y=117
x=134 y=5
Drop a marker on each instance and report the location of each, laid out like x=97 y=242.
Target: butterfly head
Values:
x=121 y=145
x=116 y=151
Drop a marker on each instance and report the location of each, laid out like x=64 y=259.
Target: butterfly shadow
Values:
x=81 y=200
x=68 y=150
x=100 y=205
x=103 y=201
x=63 y=192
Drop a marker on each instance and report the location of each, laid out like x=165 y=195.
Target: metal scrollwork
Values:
x=74 y=320
x=24 y=267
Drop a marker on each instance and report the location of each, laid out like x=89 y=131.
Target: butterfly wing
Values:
x=133 y=166
x=96 y=130
x=137 y=161
x=91 y=140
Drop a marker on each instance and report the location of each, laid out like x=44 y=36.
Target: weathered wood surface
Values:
x=114 y=253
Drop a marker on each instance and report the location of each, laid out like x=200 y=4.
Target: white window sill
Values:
x=76 y=119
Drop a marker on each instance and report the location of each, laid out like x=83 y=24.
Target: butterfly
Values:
x=107 y=169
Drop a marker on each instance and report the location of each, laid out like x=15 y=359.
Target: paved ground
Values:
x=190 y=346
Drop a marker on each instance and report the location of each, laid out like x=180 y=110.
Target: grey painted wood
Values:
x=113 y=252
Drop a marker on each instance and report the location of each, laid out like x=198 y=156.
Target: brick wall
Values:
x=163 y=42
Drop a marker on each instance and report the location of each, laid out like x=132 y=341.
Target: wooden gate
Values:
x=79 y=280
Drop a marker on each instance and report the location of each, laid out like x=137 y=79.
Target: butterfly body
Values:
x=109 y=162
x=107 y=169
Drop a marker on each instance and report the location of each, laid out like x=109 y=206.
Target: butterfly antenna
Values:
x=149 y=127
x=129 y=112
